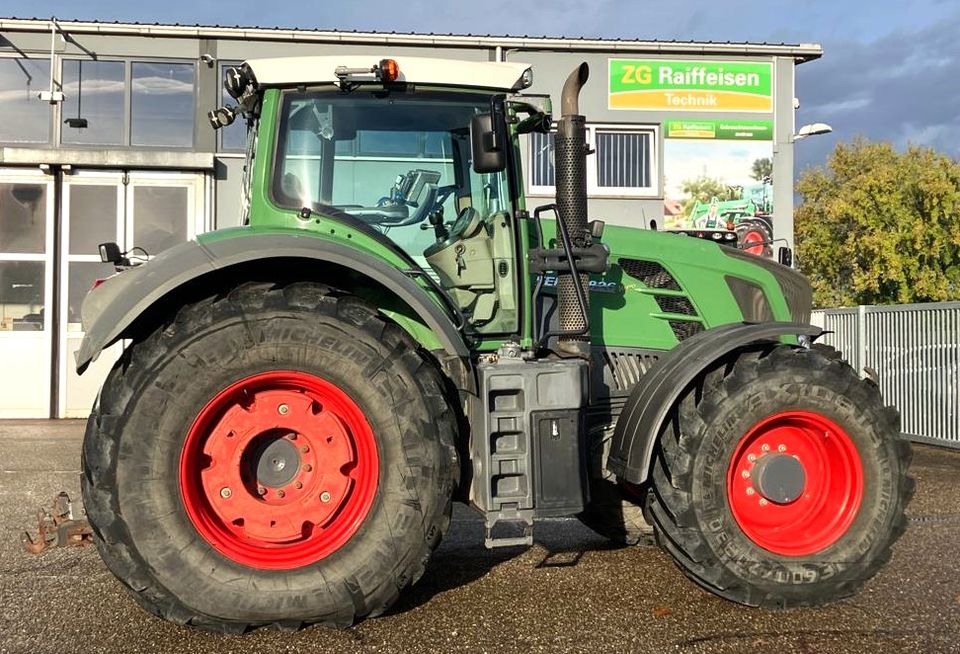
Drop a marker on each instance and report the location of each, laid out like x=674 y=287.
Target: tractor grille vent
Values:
x=626 y=368
x=684 y=329
x=675 y=304
x=655 y=276
x=651 y=273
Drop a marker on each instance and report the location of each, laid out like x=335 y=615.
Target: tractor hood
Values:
x=663 y=288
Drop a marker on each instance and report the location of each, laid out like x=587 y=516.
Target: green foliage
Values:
x=704 y=189
x=877 y=226
x=762 y=169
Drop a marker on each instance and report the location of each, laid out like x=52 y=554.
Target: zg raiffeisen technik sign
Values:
x=691 y=85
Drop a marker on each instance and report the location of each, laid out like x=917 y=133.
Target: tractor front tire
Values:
x=278 y=455
x=781 y=480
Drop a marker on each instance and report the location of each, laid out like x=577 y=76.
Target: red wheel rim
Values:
x=756 y=238
x=279 y=470
x=827 y=500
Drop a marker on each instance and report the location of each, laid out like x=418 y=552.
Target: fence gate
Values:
x=914 y=349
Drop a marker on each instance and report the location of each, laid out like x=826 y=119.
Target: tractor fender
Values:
x=651 y=400
x=110 y=310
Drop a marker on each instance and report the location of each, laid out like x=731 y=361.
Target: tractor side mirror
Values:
x=785 y=256
x=488 y=144
x=110 y=253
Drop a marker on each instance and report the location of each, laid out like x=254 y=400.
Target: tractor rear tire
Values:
x=782 y=480
x=278 y=455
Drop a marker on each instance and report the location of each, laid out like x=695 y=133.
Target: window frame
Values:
x=594 y=190
x=538 y=190
x=593 y=173
x=52 y=133
x=62 y=116
x=129 y=101
x=126 y=143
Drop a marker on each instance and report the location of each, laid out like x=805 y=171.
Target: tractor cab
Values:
x=390 y=147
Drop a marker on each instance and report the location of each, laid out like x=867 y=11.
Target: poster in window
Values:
x=719 y=175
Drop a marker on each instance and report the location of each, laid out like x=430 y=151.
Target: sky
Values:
x=890 y=70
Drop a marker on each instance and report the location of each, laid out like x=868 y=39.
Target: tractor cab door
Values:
x=400 y=162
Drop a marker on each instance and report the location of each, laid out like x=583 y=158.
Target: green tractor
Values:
x=304 y=396
x=748 y=216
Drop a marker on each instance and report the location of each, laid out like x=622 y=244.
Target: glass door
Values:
x=163 y=210
x=93 y=213
x=26 y=289
x=151 y=210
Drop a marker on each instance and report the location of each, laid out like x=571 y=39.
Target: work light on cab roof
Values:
x=387 y=70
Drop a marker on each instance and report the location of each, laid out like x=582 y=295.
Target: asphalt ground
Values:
x=571 y=592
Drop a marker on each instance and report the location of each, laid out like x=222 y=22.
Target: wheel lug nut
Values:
x=304 y=449
x=765 y=447
x=746 y=474
x=781 y=448
x=325 y=497
x=280 y=493
x=750 y=490
x=307 y=467
x=292 y=436
x=225 y=493
x=261 y=490
x=283 y=409
x=298 y=485
x=751 y=458
x=763 y=502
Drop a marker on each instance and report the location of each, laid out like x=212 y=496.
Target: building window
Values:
x=385 y=145
x=93 y=106
x=26 y=119
x=541 y=163
x=162 y=104
x=24 y=209
x=624 y=162
x=161 y=97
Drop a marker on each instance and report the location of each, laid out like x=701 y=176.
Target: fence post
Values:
x=861 y=338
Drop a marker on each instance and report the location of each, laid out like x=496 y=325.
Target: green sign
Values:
x=727 y=130
x=691 y=85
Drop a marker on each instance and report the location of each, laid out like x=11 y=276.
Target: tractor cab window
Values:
x=399 y=162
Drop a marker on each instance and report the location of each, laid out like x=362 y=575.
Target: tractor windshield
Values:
x=400 y=161
x=390 y=159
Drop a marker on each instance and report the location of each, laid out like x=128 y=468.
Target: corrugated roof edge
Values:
x=801 y=52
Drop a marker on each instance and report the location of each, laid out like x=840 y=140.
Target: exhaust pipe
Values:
x=570 y=167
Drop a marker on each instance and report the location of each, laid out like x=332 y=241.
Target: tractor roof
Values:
x=291 y=71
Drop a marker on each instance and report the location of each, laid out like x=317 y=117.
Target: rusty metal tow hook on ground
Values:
x=57 y=527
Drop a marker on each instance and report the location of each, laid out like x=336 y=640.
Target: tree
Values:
x=877 y=226
x=762 y=169
x=704 y=189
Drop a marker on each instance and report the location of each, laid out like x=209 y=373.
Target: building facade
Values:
x=104 y=137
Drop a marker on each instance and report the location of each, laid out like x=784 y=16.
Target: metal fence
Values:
x=914 y=350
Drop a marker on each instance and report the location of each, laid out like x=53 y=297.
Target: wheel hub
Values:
x=279 y=470
x=795 y=483
x=276 y=462
x=779 y=478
